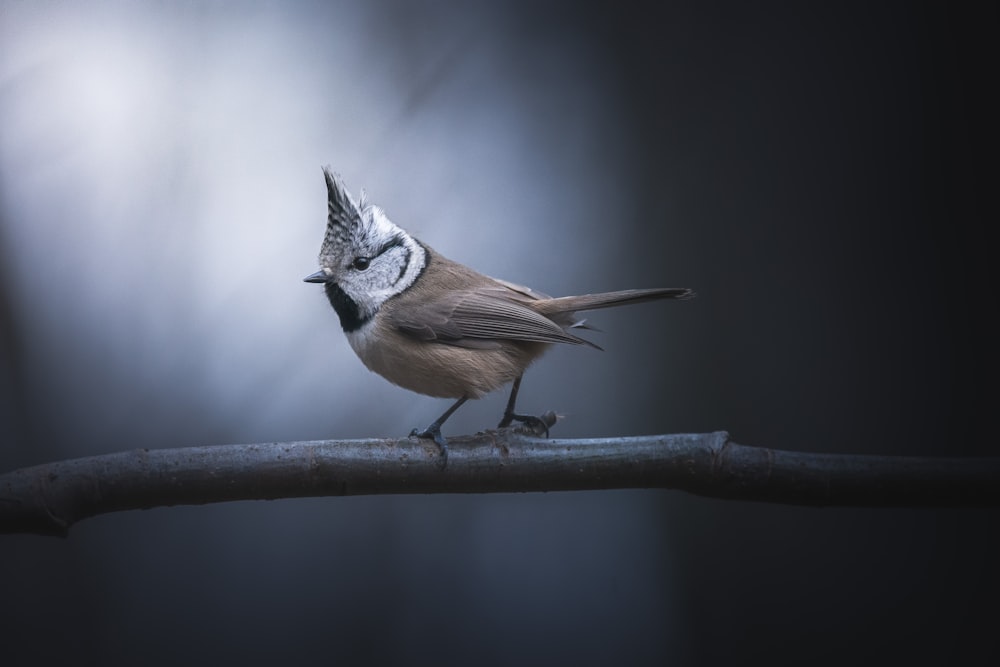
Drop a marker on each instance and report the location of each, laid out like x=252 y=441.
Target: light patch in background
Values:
x=163 y=196
x=162 y=200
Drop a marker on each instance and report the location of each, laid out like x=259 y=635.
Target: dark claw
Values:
x=534 y=423
x=434 y=433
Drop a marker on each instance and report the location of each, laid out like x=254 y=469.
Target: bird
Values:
x=435 y=326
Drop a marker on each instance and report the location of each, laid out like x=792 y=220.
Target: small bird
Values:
x=435 y=326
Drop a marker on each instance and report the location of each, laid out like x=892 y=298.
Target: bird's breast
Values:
x=439 y=369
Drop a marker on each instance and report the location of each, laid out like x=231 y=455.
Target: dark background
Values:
x=818 y=174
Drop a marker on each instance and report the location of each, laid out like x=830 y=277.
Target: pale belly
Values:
x=438 y=369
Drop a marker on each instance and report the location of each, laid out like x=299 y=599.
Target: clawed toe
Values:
x=434 y=433
x=536 y=424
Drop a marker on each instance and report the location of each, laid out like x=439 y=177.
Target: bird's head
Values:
x=365 y=258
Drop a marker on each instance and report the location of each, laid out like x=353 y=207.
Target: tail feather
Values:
x=568 y=304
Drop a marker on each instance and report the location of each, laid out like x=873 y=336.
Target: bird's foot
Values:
x=538 y=425
x=434 y=433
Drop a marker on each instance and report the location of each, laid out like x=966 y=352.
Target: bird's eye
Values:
x=361 y=263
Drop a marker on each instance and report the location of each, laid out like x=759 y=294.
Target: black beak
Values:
x=318 y=277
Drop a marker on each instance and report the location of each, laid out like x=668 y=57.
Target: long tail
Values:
x=568 y=304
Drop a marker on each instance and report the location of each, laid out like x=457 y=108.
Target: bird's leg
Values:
x=509 y=415
x=434 y=430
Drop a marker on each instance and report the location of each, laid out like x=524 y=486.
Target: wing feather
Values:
x=472 y=318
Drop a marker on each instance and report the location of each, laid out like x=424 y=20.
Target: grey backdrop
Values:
x=816 y=174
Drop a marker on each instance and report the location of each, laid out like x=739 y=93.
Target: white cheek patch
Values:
x=411 y=264
x=397 y=259
x=417 y=260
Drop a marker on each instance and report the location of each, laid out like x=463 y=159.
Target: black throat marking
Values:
x=346 y=307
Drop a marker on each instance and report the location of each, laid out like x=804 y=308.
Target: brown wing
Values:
x=480 y=318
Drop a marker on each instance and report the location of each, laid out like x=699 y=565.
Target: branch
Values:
x=48 y=499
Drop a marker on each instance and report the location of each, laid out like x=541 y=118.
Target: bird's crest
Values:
x=345 y=215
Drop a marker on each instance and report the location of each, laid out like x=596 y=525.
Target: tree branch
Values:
x=48 y=499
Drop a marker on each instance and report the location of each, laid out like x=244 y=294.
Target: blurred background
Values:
x=817 y=174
